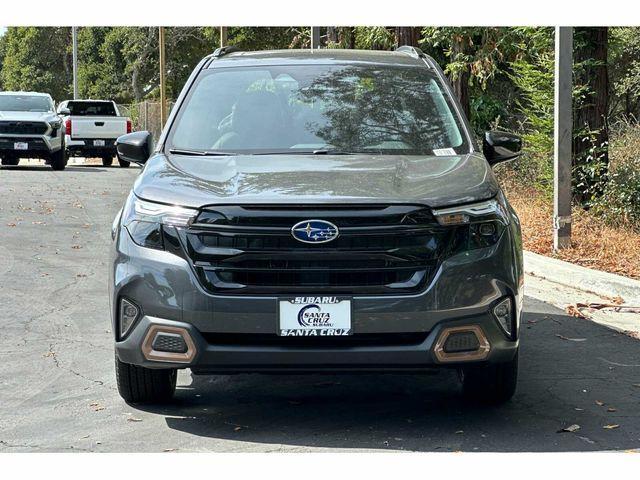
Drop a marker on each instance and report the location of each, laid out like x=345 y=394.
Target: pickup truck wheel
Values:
x=124 y=163
x=492 y=384
x=107 y=161
x=58 y=160
x=9 y=161
x=145 y=385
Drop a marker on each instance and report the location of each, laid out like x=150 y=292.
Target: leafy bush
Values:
x=534 y=79
x=620 y=203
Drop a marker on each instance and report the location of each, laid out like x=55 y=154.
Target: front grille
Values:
x=23 y=128
x=356 y=340
x=380 y=250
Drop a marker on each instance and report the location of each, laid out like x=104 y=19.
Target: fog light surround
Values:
x=129 y=313
x=151 y=340
x=503 y=313
x=456 y=355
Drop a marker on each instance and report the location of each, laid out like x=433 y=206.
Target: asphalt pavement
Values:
x=57 y=383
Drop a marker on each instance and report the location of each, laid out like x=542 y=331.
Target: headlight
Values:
x=494 y=209
x=476 y=225
x=55 y=124
x=144 y=220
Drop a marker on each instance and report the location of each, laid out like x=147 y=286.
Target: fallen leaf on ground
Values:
x=599 y=403
x=618 y=300
x=612 y=409
x=571 y=428
x=11 y=224
x=237 y=429
x=574 y=311
x=611 y=427
x=76 y=247
x=169 y=449
x=134 y=419
x=637 y=385
x=458 y=432
x=96 y=406
x=571 y=339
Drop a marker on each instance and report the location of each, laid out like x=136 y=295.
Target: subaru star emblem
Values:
x=314 y=231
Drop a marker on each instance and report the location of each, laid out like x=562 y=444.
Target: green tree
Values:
x=37 y=59
x=590 y=113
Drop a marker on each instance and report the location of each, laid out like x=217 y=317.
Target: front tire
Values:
x=145 y=385
x=58 y=160
x=491 y=384
x=124 y=163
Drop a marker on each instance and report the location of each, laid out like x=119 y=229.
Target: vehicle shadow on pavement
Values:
x=573 y=372
x=47 y=168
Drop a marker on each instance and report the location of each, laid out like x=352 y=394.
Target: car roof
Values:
x=88 y=100
x=317 y=56
x=31 y=94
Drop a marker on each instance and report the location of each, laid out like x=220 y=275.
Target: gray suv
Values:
x=316 y=211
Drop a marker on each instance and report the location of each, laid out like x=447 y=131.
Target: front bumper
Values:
x=210 y=357
x=462 y=293
x=37 y=144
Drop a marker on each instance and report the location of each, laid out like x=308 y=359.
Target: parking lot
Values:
x=58 y=387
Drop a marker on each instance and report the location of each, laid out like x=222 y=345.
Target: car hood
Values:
x=434 y=181
x=28 y=116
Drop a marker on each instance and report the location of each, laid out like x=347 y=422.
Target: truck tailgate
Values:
x=98 y=127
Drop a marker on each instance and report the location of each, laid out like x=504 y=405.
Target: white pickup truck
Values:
x=92 y=127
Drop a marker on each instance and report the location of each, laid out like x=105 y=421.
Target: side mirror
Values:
x=134 y=147
x=64 y=111
x=501 y=146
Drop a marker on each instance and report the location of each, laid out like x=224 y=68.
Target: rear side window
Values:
x=92 y=109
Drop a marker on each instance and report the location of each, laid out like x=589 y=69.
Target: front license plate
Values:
x=315 y=316
x=98 y=143
x=21 y=146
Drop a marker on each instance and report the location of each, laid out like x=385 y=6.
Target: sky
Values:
x=2 y=30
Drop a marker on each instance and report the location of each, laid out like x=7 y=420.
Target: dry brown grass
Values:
x=593 y=245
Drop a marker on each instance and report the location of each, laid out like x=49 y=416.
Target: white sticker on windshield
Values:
x=441 y=152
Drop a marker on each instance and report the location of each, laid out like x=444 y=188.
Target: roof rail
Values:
x=413 y=51
x=222 y=51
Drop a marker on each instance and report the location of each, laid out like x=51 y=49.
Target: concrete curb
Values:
x=582 y=278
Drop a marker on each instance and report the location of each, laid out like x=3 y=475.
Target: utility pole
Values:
x=74 y=41
x=315 y=38
x=223 y=36
x=563 y=138
x=163 y=101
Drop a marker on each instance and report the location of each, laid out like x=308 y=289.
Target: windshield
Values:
x=25 y=103
x=92 y=109
x=350 y=109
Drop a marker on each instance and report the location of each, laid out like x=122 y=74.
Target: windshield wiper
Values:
x=307 y=152
x=202 y=153
x=328 y=151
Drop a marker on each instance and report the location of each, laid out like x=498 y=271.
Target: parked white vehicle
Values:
x=92 y=127
x=30 y=128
